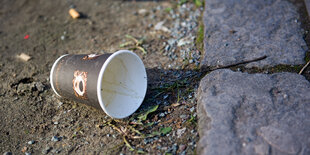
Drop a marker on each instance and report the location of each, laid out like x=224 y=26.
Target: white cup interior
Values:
x=122 y=84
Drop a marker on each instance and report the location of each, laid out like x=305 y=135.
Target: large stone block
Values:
x=240 y=30
x=242 y=113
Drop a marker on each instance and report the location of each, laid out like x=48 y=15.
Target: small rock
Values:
x=108 y=135
x=23 y=57
x=180 y=132
x=161 y=115
x=72 y=6
x=7 y=153
x=192 y=109
x=27 y=153
x=167 y=48
x=160 y=26
x=62 y=37
x=182 y=148
x=142 y=11
x=46 y=150
x=183 y=41
x=173 y=149
x=31 y=142
x=166 y=96
x=171 y=42
x=183 y=116
x=60 y=104
x=56 y=151
x=55 y=139
x=56 y=123
x=39 y=86
x=24 y=149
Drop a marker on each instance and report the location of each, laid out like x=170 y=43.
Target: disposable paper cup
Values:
x=115 y=83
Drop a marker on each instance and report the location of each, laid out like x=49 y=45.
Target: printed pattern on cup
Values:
x=79 y=84
x=90 y=56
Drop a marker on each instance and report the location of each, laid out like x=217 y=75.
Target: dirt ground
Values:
x=33 y=120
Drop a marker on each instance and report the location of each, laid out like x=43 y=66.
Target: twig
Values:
x=303 y=68
x=240 y=63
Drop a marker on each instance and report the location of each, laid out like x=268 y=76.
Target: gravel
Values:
x=183 y=31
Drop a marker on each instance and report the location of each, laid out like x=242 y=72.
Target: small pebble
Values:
x=72 y=6
x=27 y=153
x=166 y=96
x=31 y=142
x=56 y=123
x=62 y=37
x=60 y=104
x=182 y=148
x=183 y=116
x=56 y=151
x=55 y=139
x=7 y=153
x=142 y=11
x=46 y=150
x=192 y=109
x=108 y=135
x=161 y=115
x=180 y=132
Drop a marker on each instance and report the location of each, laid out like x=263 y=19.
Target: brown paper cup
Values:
x=115 y=83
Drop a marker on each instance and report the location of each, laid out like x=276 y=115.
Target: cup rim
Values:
x=99 y=81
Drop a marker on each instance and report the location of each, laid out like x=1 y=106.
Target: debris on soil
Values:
x=24 y=149
x=24 y=57
x=303 y=68
x=74 y=14
x=160 y=26
x=26 y=36
x=134 y=44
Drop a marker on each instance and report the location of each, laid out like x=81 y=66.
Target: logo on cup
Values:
x=79 y=84
x=90 y=56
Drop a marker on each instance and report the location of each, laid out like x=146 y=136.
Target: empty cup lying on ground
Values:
x=115 y=82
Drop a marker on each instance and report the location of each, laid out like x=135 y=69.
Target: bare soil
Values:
x=29 y=109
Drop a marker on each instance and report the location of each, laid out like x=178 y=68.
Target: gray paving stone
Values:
x=242 y=113
x=239 y=30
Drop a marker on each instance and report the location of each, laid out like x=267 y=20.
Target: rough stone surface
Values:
x=240 y=30
x=242 y=113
